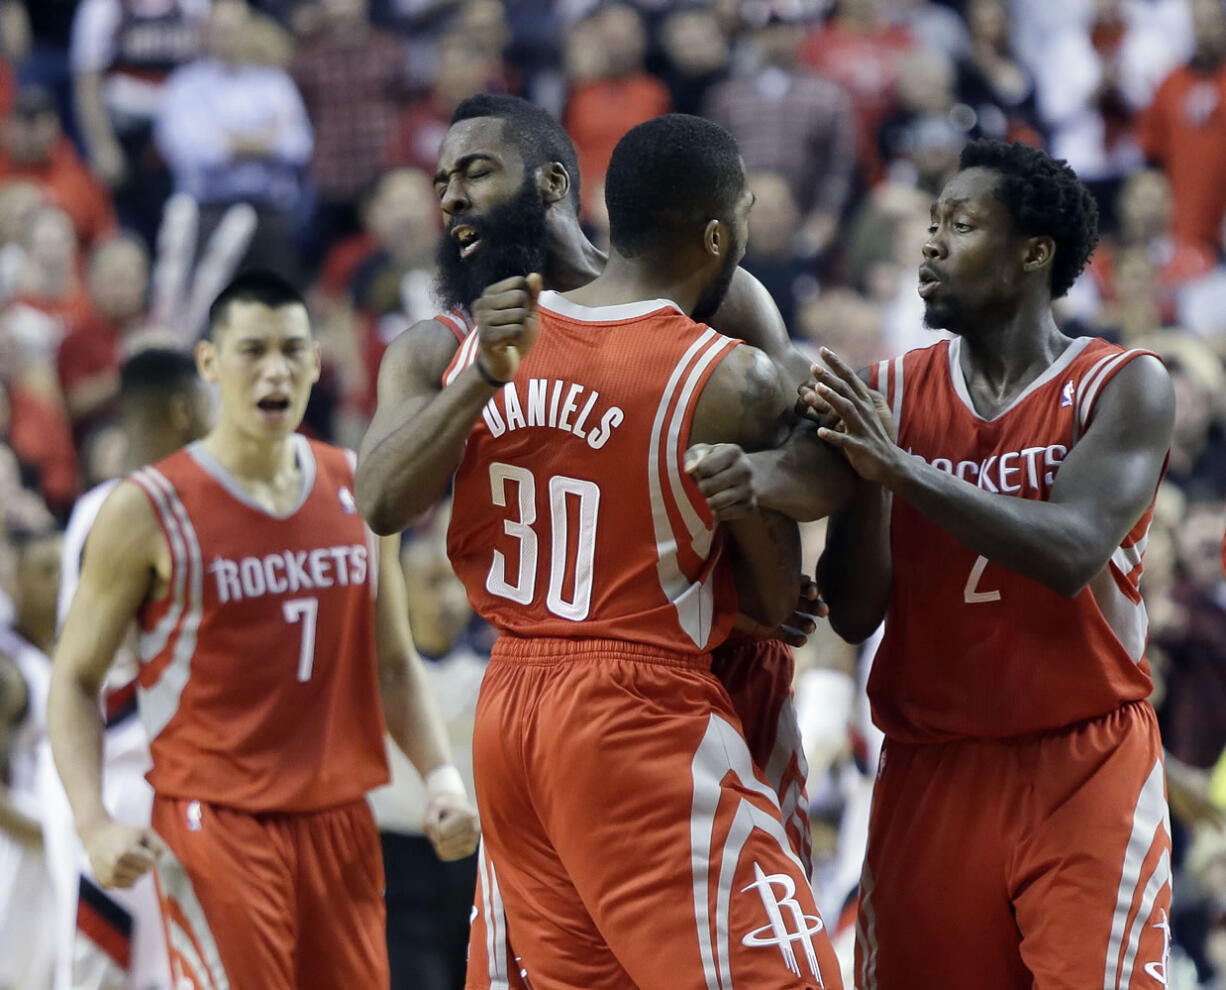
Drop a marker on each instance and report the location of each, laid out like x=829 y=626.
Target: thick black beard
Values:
x=711 y=300
x=512 y=243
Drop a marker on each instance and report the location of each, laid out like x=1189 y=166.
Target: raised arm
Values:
x=744 y=404
x=417 y=436
x=124 y=556
x=413 y=718
x=1101 y=490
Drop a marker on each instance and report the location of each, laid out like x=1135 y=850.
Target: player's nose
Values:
x=454 y=199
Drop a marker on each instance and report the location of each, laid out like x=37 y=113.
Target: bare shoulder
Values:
x=744 y=402
x=126 y=529
x=419 y=355
x=1140 y=397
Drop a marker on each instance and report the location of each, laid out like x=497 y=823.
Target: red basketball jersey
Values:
x=972 y=649
x=572 y=515
x=258 y=684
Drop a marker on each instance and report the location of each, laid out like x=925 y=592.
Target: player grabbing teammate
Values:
x=269 y=626
x=628 y=833
x=107 y=939
x=1019 y=834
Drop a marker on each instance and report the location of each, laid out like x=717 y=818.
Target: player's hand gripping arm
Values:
x=745 y=404
x=1100 y=491
x=802 y=478
x=121 y=556
x=413 y=718
x=417 y=436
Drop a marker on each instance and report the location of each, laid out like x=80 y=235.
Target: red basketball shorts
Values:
x=1042 y=862
x=627 y=833
x=271 y=901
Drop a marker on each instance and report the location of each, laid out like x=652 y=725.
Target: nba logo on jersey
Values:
x=1066 y=394
x=348 y=503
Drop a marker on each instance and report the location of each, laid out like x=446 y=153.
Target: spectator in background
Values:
x=789 y=121
x=932 y=25
x=50 y=279
x=463 y=71
x=1184 y=129
x=1110 y=66
x=696 y=56
x=90 y=353
x=351 y=77
x=921 y=141
x=992 y=81
x=1144 y=212
x=236 y=131
x=33 y=147
x=859 y=49
x=122 y=51
x=19 y=202
x=774 y=226
x=428 y=901
x=35 y=35
x=611 y=90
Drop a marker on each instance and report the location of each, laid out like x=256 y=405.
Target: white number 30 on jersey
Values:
x=523 y=588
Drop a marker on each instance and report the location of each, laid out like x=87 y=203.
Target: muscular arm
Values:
x=744 y=403
x=856 y=568
x=122 y=556
x=413 y=718
x=803 y=478
x=417 y=436
x=1102 y=488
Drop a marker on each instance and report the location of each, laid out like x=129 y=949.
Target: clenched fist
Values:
x=451 y=826
x=506 y=320
x=121 y=854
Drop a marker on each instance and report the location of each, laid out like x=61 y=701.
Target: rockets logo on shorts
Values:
x=805 y=925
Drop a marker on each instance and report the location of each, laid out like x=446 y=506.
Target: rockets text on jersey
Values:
x=572 y=514
x=972 y=649
x=258 y=684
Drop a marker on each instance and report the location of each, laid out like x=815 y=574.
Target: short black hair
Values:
x=538 y=137
x=254 y=285
x=668 y=177
x=1043 y=196
x=157 y=372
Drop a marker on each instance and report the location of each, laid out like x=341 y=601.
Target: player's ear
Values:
x=553 y=181
x=319 y=361
x=715 y=238
x=1039 y=253
x=206 y=360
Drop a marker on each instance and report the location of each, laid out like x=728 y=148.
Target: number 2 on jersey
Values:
x=971 y=593
x=523 y=589
x=304 y=610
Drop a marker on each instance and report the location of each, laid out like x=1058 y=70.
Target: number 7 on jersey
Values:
x=306 y=611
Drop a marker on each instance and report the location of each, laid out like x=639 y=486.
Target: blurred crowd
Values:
x=149 y=148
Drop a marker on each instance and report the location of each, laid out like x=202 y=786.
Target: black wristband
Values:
x=486 y=377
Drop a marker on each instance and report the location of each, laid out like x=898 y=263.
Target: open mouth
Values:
x=274 y=406
x=928 y=283
x=468 y=240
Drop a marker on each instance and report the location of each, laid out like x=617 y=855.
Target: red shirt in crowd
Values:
x=68 y=184
x=1185 y=129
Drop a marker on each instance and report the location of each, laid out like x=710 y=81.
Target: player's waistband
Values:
x=545 y=651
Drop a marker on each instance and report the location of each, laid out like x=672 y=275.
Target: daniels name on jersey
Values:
x=540 y=402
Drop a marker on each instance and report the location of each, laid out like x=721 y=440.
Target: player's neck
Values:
x=571 y=259
x=626 y=281
x=255 y=459
x=1019 y=347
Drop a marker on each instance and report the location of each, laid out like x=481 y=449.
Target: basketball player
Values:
x=27 y=945
x=1019 y=833
x=508 y=183
x=110 y=939
x=627 y=831
x=263 y=652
